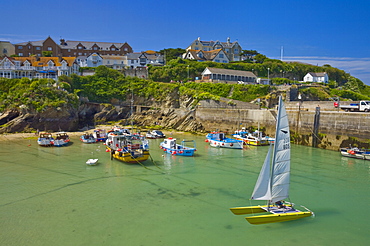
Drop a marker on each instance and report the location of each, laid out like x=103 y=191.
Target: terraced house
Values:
x=69 y=48
x=37 y=67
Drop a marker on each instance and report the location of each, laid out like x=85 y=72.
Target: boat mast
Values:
x=276 y=144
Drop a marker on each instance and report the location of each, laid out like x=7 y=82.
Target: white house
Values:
x=114 y=62
x=316 y=77
x=94 y=60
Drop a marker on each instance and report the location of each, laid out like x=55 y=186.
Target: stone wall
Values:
x=336 y=129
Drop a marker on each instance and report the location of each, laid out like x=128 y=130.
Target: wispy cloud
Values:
x=357 y=67
x=14 y=38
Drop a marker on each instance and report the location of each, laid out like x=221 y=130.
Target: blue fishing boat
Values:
x=61 y=139
x=170 y=146
x=100 y=135
x=218 y=139
x=88 y=138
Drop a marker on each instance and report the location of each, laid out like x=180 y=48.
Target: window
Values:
x=38 y=48
x=125 y=49
x=20 y=54
x=20 y=47
x=95 y=48
x=80 y=47
x=221 y=55
x=50 y=48
x=29 y=47
x=236 y=51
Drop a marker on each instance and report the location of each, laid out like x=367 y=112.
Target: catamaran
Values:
x=274 y=179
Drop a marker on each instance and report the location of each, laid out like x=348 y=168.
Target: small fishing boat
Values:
x=127 y=148
x=157 y=134
x=354 y=152
x=45 y=139
x=100 y=135
x=218 y=139
x=88 y=138
x=274 y=181
x=149 y=135
x=256 y=138
x=61 y=139
x=92 y=162
x=170 y=146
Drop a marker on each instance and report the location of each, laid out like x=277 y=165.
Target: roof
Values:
x=207 y=55
x=43 y=61
x=113 y=57
x=322 y=74
x=70 y=44
x=230 y=72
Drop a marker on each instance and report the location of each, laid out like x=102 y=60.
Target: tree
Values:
x=249 y=54
x=47 y=53
x=170 y=53
x=260 y=58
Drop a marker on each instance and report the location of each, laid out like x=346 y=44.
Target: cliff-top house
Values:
x=231 y=50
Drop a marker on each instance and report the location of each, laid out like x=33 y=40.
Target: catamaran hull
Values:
x=272 y=218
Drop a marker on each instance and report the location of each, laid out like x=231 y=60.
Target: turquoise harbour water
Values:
x=49 y=196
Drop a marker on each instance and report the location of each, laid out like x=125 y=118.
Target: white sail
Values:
x=281 y=161
x=262 y=189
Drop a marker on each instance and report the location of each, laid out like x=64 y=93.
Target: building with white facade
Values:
x=316 y=77
x=38 y=67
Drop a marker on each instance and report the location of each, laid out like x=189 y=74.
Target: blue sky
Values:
x=334 y=32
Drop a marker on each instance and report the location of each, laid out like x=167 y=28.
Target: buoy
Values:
x=231 y=144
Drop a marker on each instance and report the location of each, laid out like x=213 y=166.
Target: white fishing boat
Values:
x=274 y=180
x=45 y=139
x=219 y=140
x=61 y=139
x=92 y=162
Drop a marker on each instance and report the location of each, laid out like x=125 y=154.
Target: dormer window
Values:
x=80 y=47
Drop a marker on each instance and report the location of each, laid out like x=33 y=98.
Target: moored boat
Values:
x=127 y=148
x=354 y=152
x=170 y=146
x=100 y=135
x=256 y=138
x=88 y=138
x=61 y=139
x=218 y=139
x=273 y=181
x=157 y=134
x=92 y=162
x=45 y=139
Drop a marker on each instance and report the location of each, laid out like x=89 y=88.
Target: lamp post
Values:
x=268 y=75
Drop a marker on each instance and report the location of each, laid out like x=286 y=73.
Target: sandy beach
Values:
x=14 y=136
